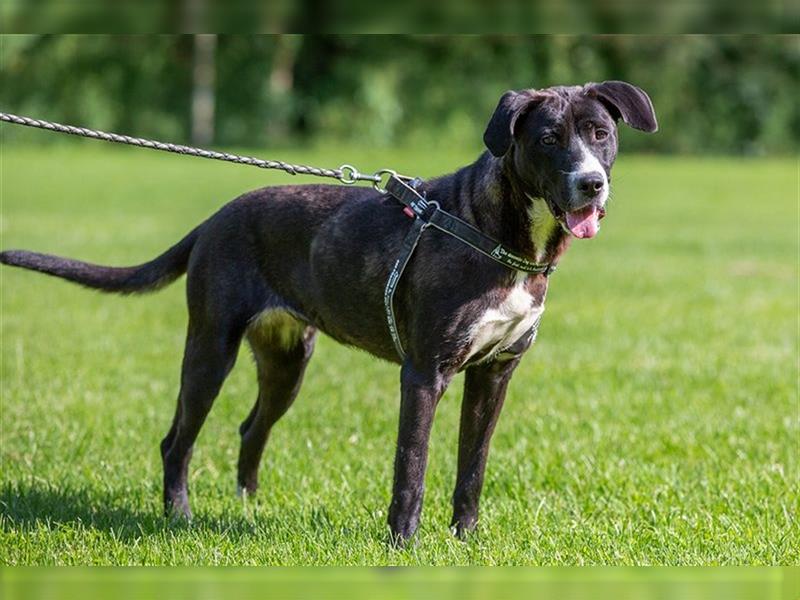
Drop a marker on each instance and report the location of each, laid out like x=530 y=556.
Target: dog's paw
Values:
x=245 y=491
x=398 y=541
x=463 y=529
x=177 y=509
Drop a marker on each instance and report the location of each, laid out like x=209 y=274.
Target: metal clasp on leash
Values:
x=380 y=178
x=349 y=175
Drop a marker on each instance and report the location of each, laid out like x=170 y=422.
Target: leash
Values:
x=430 y=214
x=346 y=174
x=425 y=214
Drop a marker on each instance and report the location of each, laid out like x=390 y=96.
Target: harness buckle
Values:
x=428 y=211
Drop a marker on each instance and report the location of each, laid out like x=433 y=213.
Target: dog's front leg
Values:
x=484 y=392
x=420 y=393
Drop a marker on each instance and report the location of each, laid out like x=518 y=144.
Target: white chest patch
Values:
x=502 y=325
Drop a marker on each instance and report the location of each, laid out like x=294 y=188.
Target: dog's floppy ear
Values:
x=627 y=102
x=500 y=130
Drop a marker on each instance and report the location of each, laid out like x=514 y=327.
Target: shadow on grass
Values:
x=29 y=508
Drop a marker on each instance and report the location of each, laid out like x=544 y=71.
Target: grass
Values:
x=654 y=422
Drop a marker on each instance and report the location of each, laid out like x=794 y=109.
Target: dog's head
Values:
x=560 y=144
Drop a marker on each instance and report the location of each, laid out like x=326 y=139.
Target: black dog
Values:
x=277 y=264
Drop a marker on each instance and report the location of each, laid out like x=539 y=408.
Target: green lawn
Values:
x=654 y=422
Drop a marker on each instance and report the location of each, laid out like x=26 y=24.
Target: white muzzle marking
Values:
x=588 y=164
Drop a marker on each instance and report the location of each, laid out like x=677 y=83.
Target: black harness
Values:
x=427 y=214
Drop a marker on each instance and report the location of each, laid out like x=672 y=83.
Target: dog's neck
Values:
x=514 y=216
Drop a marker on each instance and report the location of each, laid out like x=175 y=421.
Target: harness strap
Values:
x=427 y=214
x=406 y=250
x=461 y=230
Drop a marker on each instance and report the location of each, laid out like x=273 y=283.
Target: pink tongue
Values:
x=584 y=223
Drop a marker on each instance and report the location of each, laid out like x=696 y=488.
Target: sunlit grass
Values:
x=654 y=422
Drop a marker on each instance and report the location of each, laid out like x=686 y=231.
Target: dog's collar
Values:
x=427 y=214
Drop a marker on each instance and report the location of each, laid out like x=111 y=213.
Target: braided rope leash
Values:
x=346 y=174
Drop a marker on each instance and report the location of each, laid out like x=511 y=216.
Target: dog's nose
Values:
x=590 y=184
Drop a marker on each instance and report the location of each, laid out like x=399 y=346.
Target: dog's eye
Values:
x=549 y=139
x=600 y=134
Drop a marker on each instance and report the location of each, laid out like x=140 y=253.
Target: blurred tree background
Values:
x=730 y=94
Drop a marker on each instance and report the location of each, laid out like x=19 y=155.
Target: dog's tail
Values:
x=146 y=277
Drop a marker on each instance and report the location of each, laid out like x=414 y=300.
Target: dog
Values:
x=279 y=264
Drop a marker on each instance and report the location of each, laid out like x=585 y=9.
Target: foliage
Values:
x=720 y=94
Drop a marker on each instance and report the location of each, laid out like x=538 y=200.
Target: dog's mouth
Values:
x=583 y=223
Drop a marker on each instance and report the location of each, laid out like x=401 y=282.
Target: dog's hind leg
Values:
x=209 y=357
x=282 y=347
